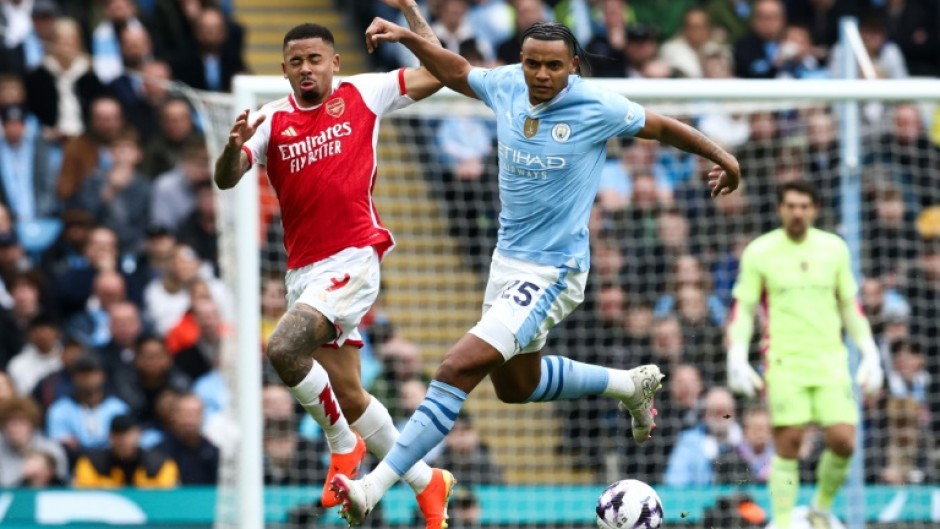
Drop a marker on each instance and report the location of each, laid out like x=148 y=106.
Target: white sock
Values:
x=380 y=480
x=619 y=384
x=376 y=428
x=316 y=396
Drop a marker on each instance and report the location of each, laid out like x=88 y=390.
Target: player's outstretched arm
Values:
x=742 y=379
x=450 y=68
x=419 y=82
x=723 y=178
x=233 y=162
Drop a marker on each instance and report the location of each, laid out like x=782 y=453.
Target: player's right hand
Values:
x=381 y=30
x=242 y=130
x=742 y=379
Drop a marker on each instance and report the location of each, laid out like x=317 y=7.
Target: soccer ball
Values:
x=629 y=504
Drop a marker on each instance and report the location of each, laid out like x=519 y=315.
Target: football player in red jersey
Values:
x=317 y=144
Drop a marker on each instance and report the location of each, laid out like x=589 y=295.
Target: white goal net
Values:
x=664 y=257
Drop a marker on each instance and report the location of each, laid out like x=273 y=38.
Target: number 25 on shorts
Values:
x=521 y=292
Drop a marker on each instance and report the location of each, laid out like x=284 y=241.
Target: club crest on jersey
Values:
x=530 y=127
x=335 y=107
x=561 y=132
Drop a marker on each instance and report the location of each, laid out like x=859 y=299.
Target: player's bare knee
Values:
x=290 y=349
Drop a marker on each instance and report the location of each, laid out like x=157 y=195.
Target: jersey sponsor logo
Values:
x=338 y=283
x=289 y=131
x=335 y=107
x=314 y=148
x=530 y=127
x=561 y=132
x=527 y=164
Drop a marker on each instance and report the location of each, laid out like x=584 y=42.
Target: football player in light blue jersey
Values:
x=552 y=129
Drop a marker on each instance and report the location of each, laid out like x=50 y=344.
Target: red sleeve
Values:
x=402 y=89
x=247 y=151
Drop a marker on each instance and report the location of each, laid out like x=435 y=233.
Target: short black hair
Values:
x=308 y=30
x=556 y=31
x=798 y=186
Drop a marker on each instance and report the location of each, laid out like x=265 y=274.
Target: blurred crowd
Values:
x=112 y=310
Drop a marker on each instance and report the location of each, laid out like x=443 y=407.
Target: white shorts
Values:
x=523 y=301
x=342 y=287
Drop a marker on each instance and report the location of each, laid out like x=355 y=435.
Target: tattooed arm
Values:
x=419 y=83
x=723 y=178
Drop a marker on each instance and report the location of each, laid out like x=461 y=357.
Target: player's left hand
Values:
x=724 y=179
x=381 y=30
x=870 y=376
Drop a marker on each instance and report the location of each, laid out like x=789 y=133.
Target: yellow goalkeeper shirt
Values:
x=798 y=286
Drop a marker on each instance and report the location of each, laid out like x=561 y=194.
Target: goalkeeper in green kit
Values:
x=801 y=278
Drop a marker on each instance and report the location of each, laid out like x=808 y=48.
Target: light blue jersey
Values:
x=550 y=161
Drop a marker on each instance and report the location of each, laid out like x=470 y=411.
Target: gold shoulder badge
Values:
x=531 y=127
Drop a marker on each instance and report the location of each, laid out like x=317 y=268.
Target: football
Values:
x=629 y=504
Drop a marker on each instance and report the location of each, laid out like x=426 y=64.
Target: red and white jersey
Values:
x=321 y=162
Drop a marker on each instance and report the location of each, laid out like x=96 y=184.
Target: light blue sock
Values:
x=427 y=427
x=565 y=379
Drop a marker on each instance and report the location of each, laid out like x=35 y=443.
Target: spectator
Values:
x=823 y=158
x=198 y=231
x=85 y=154
x=140 y=384
x=201 y=362
x=910 y=157
x=172 y=24
x=119 y=197
x=703 y=338
x=218 y=56
x=66 y=251
x=196 y=457
x=707 y=454
x=757 y=448
x=174 y=192
x=17 y=28
x=92 y=326
x=167 y=298
x=27 y=182
x=453 y=29
x=61 y=89
x=890 y=234
x=886 y=55
x=44 y=16
x=165 y=149
x=468 y=456
x=907 y=452
x=907 y=377
x=25 y=293
x=687 y=271
x=142 y=96
x=667 y=346
x=106 y=38
x=527 y=12
x=921 y=288
x=882 y=305
x=401 y=361
x=465 y=512
x=100 y=254
x=7 y=391
x=616 y=188
x=821 y=18
x=731 y=18
x=20 y=420
x=288 y=458
x=124 y=463
x=684 y=52
x=124 y=329
x=156 y=257
x=913 y=26
x=136 y=50
x=756 y=55
x=39 y=471
x=41 y=355
x=80 y=421
x=13 y=262
x=796 y=58
x=59 y=384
